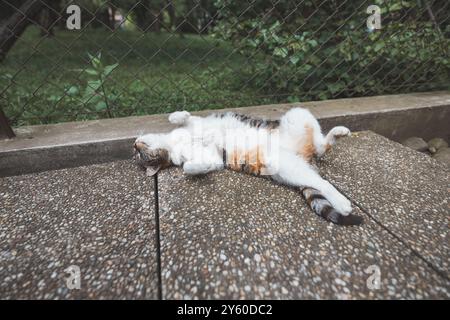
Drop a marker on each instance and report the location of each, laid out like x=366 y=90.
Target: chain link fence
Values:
x=78 y=60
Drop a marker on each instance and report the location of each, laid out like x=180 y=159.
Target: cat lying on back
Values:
x=282 y=150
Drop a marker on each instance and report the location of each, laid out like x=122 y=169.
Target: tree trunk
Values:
x=13 y=27
x=171 y=12
x=8 y=7
x=141 y=19
x=112 y=18
x=102 y=19
x=44 y=22
x=5 y=128
x=191 y=20
x=142 y=15
x=54 y=16
x=155 y=21
x=47 y=20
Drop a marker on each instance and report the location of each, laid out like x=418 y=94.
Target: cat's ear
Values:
x=152 y=170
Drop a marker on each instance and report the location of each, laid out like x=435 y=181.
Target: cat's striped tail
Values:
x=323 y=208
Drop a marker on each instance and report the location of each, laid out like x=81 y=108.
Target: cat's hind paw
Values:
x=340 y=131
x=341 y=204
x=345 y=207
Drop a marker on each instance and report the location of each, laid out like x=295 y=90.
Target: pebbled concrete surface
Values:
x=228 y=235
x=233 y=236
x=99 y=218
x=405 y=190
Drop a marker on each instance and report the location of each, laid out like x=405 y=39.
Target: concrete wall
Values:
x=47 y=147
x=398 y=125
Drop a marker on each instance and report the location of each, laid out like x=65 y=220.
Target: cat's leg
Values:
x=295 y=171
x=324 y=143
x=181 y=117
x=204 y=160
x=300 y=122
x=196 y=168
x=334 y=134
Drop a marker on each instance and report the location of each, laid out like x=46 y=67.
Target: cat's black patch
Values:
x=315 y=196
x=350 y=220
x=327 y=212
x=253 y=122
x=330 y=214
x=258 y=123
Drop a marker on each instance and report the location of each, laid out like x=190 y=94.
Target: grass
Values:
x=50 y=80
x=41 y=80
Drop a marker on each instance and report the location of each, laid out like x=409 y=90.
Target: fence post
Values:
x=5 y=129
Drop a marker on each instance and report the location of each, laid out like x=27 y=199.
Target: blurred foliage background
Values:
x=155 y=56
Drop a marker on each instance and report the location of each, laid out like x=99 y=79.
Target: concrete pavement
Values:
x=228 y=235
x=406 y=191
x=99 y=218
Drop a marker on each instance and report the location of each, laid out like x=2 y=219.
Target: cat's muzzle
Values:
x=139 y=155
x=144 y=157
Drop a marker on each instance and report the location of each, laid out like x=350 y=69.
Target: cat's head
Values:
x=150 y=154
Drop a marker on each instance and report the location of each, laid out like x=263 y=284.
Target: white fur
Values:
x=179 y=117
x=198 y=145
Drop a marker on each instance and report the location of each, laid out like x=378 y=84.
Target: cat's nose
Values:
x=138 y=145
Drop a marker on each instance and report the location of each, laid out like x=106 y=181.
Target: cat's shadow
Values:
x=204 y=179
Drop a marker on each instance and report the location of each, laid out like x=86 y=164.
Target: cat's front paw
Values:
x=179 y=117
x=193 y=168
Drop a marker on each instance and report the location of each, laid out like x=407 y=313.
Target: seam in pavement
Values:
x=158 y=243
x=414 y=251
x=157 y=236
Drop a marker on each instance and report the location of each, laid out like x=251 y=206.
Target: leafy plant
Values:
x=95 y=94
x=310 y=52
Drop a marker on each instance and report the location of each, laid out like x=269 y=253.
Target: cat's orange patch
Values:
x=306 y=146
x=249 y=161
x=234 y=160
x=254 y=161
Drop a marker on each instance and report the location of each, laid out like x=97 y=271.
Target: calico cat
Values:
x=282 y=150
